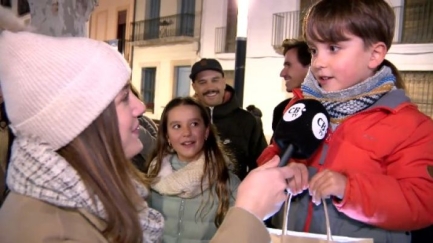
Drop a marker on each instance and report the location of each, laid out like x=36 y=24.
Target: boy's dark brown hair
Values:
x=371 y=20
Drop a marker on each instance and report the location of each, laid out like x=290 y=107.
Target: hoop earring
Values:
x=170 y=148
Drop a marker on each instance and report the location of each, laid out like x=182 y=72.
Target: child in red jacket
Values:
x=376 y=165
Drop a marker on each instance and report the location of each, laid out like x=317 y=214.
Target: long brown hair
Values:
x=4 y=121
x=215 y=169
x=371 y=20
x=99 y=159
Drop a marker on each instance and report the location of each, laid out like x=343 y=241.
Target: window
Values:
x=231 y=29
x=151 y=24
x=23 y=7
x=417 y=21
x=148 y=77
x=183 y=83
x=6 y=3
x=187 y=18
x=419 y=87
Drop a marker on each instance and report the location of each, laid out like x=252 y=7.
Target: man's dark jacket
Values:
x=239 y=132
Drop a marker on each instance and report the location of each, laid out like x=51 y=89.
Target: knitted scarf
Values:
x=184 y=183
x=37 y=171
x=344 y=103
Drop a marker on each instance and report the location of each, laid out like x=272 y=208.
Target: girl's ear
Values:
x=206 y=135
x=378 y=53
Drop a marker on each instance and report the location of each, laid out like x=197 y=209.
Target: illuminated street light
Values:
x=243 y=6
x=241 y=49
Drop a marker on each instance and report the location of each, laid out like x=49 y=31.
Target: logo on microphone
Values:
x=294 y=112
x=319 y=125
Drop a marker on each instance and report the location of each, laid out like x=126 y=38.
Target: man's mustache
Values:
x=211 y=91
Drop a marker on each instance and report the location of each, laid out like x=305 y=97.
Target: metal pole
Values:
x=133 y=35
x=240 y=58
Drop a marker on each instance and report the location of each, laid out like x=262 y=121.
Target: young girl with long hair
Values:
x=192 y=187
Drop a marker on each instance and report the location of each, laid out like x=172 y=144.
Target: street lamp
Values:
x=241 y=49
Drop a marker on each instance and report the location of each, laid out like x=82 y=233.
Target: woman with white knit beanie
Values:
x=71 y=109
x=69 y=176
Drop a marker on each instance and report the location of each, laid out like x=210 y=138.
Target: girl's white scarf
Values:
x=184 y=183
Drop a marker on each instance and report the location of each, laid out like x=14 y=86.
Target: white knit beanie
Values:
x=54 y=88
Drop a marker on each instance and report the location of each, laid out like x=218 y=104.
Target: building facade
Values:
x=111 y=22
x=165 y=37
x=166 y=42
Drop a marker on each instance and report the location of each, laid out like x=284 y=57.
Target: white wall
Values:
x=412 y=57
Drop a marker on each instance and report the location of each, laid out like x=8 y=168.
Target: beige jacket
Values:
x=24 y=219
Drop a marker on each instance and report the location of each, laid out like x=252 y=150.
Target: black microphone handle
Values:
x=284 y=160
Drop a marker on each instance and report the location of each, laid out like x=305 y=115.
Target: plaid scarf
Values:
x=344 y=103
x=37 y=171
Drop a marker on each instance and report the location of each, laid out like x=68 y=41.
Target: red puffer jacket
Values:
x=386 y=152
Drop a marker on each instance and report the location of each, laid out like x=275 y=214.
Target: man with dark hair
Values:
x=297 y=59
x=239 y=130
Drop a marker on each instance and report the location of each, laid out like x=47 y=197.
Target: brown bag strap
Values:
x=286 y=215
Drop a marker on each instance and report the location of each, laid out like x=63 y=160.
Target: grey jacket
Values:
x=182 y=222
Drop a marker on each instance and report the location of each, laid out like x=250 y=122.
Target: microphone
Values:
x=301 y=130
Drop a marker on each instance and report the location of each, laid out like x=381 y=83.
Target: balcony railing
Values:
x=220 y=39
x=223 y=42
x=414 y=24
x=180 y=25
x=285 y=26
